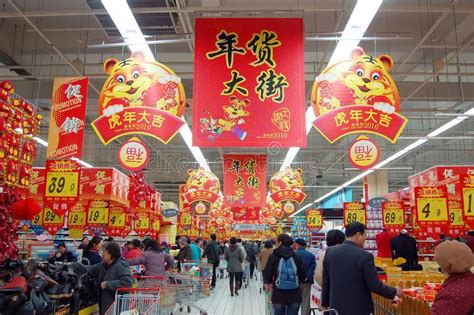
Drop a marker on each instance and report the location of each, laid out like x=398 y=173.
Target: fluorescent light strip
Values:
x=360 y=19
x=120 y=13
x=45 y=144
x=452 y=123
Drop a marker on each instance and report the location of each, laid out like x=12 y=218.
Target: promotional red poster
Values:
x=431 y=206
x=246 y=214
x=66 y=124
x=62 y=185
x=37 y=183
x=287 y=185
x=245 y=180
x=249 y=82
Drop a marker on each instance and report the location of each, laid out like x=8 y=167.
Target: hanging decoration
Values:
x=432 y=212
x=133 y=155
x=363 y=153
x=393 y=216
x=287 y=186
x=314 y=219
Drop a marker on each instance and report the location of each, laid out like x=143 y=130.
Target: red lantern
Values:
x=18 y=209
x=33 y=208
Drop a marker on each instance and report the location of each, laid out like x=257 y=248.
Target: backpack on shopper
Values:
x=287 y=278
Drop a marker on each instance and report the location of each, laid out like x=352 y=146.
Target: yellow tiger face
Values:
x=201 y=179
x=287 y=179
x=236 y=108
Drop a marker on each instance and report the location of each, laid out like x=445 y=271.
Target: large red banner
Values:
x=66 y=124
x=245 y=181
x=249 y=83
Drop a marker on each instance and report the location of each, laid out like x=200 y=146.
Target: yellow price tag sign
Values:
x=38 y=219
x=142 y=223
x=98 y=216
x=468 y=201
x=314 y=219
x=393 y=217
x=432 y=209
x=49 y=217
x=155 y=226
x=185 y=219
x=455 y=217
x=76 y=218
x=62 y=184
x=117 y=219
x=354 y=216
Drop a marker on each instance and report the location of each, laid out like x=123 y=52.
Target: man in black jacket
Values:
x=284 y=301
x=349 y=276
x=404 y=246
x=213 y=252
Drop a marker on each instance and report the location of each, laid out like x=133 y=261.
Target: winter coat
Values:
x=270 y=274
x=318 y=274
x=384 y=250
x=405 y=246
x=67 y=256
x=212 y=252
x=116 y=275
x=263 y=257
x=309 y=263
x=456 y=296
x=185 y=253
x=349 y=279
x=235 y=256
x=91 y=258
x=156 y=263
x=195 y=252
x=133 y=253
x=251 y=253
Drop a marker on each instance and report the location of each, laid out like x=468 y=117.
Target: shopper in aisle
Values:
x=333 y=238
x=350 y=276
x=264 y=254
x=135 y=251
x=309 y=263
x=195 y=250
x=92 y=253
x=156 y=261
x=112 y=273
x=234 y=255
x=251 y=252
x=84 y=242
x=404 y=246
x=457 y=294
x=63 y=255
x=165 y=247
x=284 y=271
x=241 y=245
x=185 y=252
x=384 y=250
x=212 y=252
x=126 y=248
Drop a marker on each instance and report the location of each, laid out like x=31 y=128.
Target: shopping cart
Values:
x=246 y=274
x=190 y=289
x=168 y=291
x=222 y=267
x=135 y=301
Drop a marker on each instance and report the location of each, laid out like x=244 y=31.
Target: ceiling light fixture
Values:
x=360 y=19
x=127 y=25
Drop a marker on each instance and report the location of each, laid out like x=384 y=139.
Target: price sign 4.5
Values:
x=76 y=218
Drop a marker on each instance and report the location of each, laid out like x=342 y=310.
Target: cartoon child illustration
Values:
x=136 y=82
x=362 y=81
x=234 y=114
x=238 y=197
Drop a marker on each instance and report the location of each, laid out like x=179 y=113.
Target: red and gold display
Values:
x=62 y=185
x=245 y=180
x=467 y=190
x=249 y=82
x=133 y=155
x=314 y=219
x=66 y=124
x=287 y=185
x=432 y=212
x=201 y=185
x=139 y=97
x=363 y=153
x=357 y=96
x=354 y=212
x=393 y=216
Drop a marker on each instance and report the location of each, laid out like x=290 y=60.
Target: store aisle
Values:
x=249 y=301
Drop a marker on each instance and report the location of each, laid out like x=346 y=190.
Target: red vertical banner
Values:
x=245 y=180
x=68 y=111
x=249 y=82
x=62 y=185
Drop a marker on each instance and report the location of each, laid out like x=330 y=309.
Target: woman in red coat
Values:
x=456 y=297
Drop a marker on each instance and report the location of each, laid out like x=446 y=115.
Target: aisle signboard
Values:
x=314 y=219
x=393 y=216
x=67 y=120
x=249 y=83
x=52 y=222
x=245 y=180
x=432 y=212
x=62 y=185
x=139 y=97
x=354 y=212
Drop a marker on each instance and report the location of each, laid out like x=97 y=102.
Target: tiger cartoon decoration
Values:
x=234 y=117
x=202 y=185
x=136 y=82
x=357 y=95
x=287 y=185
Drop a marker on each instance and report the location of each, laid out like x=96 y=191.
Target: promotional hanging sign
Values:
x=67 y=121
x=142 y=224
x=62 y=185
x=314 y=219
x=432 y=212
x=357 y=96
x=139 y=97
x=77 y=217
x=246 y=213
x=98 y=213
x=133 y=155
x=363 y=153
x=287 y=185
x=118 y=221
x=467 y=189
x=456 y=223
x=393 y=215
x=245 y=180
x=104 y=184
x=201 y=185
x=354 y=212
x=249 y=83
x=37 y=183
x=52 y=222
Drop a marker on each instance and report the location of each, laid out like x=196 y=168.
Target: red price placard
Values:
x=314 y=219
x=354 y=212
x=431 y=206
x=393 y=216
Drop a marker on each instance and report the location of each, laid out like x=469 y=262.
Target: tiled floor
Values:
x=249 y=302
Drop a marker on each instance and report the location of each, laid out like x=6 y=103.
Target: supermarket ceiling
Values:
x=431 y=42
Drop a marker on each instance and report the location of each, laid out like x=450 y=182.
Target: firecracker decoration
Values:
x=19 y=123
